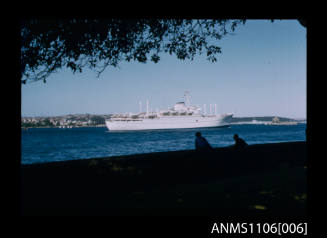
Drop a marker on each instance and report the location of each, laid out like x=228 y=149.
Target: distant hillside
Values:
x=265 y=119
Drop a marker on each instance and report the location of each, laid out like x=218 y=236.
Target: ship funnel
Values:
x=187 y=98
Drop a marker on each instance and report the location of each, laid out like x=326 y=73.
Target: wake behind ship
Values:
x=181 y=116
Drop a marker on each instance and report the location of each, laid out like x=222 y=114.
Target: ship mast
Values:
x=187 y=98
x=147 y=107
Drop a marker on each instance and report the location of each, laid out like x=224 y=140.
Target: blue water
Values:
x=54 y=144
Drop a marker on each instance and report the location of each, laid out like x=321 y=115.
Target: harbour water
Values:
x=39 y=145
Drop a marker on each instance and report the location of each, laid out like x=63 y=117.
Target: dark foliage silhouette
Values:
x=49 y=45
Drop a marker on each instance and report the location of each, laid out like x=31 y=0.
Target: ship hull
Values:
x=169 y=122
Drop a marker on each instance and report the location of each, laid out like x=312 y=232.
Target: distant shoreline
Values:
x=268 y=123
x=233 y=123
x=62 y=127
x=87 y=120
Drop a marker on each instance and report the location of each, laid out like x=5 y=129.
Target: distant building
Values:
x=275 y=120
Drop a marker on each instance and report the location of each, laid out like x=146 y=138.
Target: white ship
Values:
x=182 y=115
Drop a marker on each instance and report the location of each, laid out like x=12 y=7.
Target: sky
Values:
x=260 y=72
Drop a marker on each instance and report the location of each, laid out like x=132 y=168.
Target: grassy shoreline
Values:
x=262 y=180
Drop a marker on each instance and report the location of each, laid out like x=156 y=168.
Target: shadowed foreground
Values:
x=262 y=180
